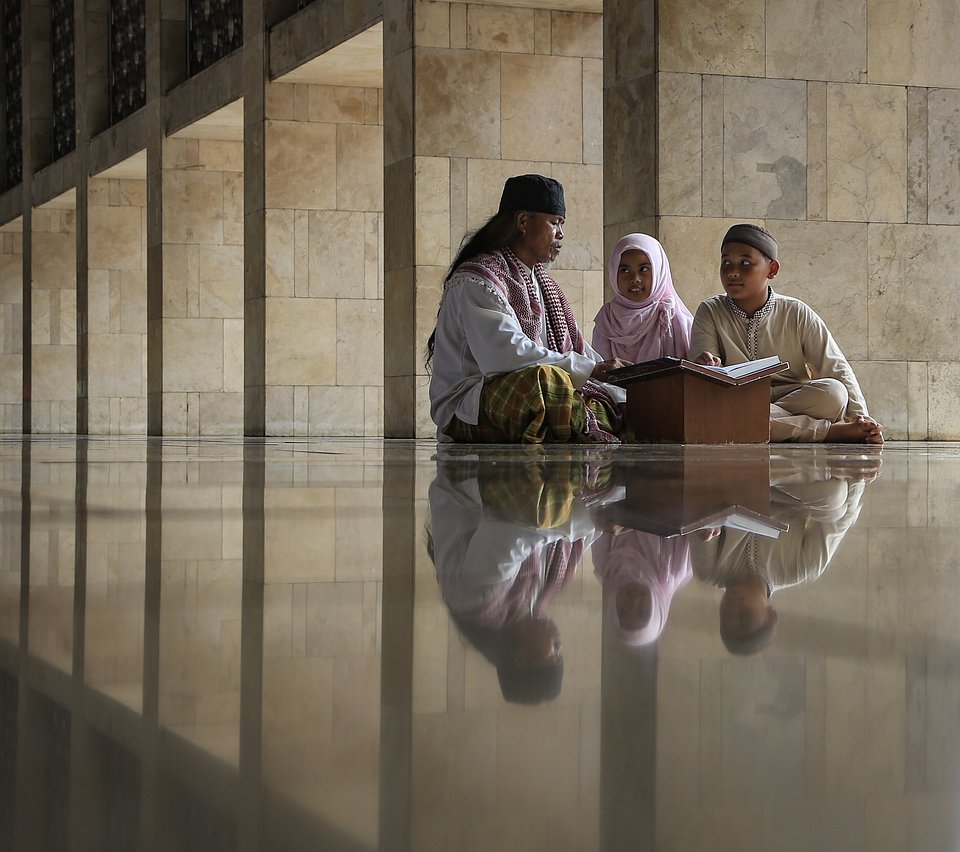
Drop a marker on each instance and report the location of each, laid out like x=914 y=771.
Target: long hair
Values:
x=499 y=231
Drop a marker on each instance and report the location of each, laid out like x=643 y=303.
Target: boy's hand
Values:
x=708 y=359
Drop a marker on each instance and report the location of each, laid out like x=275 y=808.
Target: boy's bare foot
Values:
x=863 y=430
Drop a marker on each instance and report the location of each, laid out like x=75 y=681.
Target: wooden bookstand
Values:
x=684 y=403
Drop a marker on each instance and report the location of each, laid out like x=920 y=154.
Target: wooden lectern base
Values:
x=682 y=407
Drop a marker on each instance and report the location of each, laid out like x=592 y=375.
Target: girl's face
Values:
x=634 y=606
x=635 y=275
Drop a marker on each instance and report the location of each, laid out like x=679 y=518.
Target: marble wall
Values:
x=834 y=125
x=11 y=327
x=324 y=273
x=54 y=321
x=117 y=312
x=202 y=287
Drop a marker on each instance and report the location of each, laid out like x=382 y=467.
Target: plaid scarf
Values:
x=504 y=272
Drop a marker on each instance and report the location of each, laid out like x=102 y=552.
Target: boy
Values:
x=818 y=398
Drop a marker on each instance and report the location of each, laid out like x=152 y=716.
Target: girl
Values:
x=646 y=318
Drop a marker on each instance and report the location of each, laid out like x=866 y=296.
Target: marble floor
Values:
x=376 y=645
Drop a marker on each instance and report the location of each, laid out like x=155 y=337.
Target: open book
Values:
x=734 y=373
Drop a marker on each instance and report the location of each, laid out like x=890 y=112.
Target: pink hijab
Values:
x=633 y=556
x=640 y=331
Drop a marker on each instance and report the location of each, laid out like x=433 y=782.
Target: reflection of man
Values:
x=505 y=539
x=820 y=500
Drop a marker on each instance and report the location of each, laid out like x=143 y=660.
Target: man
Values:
x=509 y=363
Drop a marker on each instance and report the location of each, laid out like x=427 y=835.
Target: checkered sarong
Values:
x=537 y=405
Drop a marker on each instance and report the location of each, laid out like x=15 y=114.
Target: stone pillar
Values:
x=11 y=327
x=54 y=318
x=533 y=78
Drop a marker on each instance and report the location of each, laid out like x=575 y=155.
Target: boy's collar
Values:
x=760 y=314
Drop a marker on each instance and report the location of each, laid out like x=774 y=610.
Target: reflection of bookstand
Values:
x=691 y=486
x=681 y=402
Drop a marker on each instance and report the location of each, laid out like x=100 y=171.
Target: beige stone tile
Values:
x=336 y=252
x=360 y=167
x=944 y=157
x=903 y=327
x=336 y=411
x=709 y=37
x=359 y=342
x=133 y=193
x=54 y=261
x=115 y=367
x=68 y=317
x=764 y=163
x=279 y=101
x=218 y=155
x=221 y=281
x=11 y=279
x=11 y=379
x=192 y=355
x=816 y=151
x=233 y=355
x=693 y=246
x=448 y=124
x=280 y=253
x=679 y=144
x=577 y=34
x=828 y=43
x=912 y=43
x=192 y=207
x=918 y=399
x=866 y=153
x=499 y=29
x=827 y=266
x=98 y=191
x=458 y=25
x=432 y=210
x=42 y=315
x=337 y=104
x=233 y=196
x=301 y=165
x=373 y=412
x=372 y=254
x=583 y=231
x=180 y=271
x=133 y=301
x=114 y=238
x=279 y=410
x=918 y=128
x=593 y=111
x=885 y=386
x=98 y=301
x=559 y=135
x=301 y=102
x=301 y=342
x=944 y=403
x=54 y=373
x=220 y=414
x=432 y=24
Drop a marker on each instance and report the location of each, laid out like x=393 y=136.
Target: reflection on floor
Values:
x=287 y=645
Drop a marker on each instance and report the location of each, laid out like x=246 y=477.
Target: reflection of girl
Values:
x=640 y=573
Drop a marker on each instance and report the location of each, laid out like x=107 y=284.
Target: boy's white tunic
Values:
x=479 y=336
x=785 y=327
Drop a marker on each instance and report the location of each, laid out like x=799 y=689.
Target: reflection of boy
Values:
x=818 y=398
x=820 y=506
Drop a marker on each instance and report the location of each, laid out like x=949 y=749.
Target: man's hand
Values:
x=603 y=369
x=708 y=359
